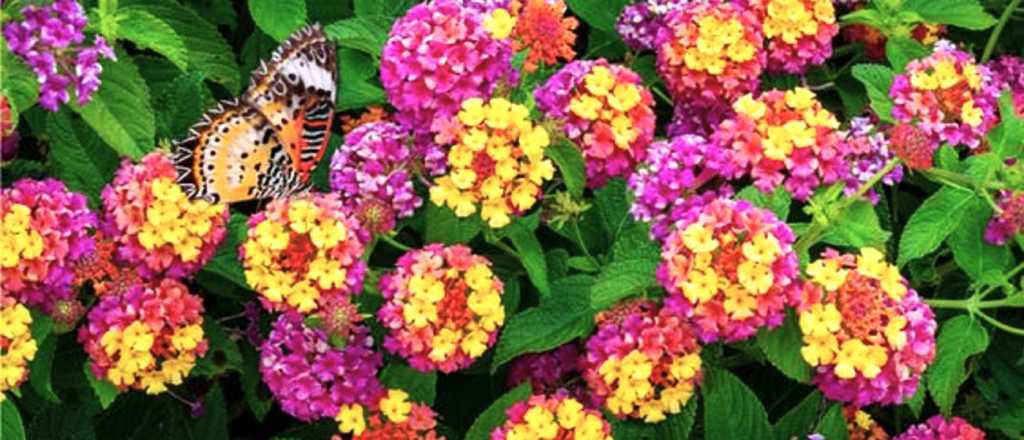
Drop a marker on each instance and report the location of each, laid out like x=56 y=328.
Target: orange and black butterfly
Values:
x=266 y=144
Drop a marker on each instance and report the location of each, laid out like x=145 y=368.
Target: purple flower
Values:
x=639 y=23
x=868 y=150
x=1008 y=74
x=1009 y=221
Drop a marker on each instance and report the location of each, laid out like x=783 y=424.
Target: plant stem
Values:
x=996 y=323
x=993 y=38
x=579 y=239
x=394 y=243
x=949 y=178
x=972 y=304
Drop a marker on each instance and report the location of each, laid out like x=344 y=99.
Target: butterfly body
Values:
x=266 y=144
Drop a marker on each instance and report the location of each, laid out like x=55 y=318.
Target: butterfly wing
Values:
x=233 y=155
x=295 y=91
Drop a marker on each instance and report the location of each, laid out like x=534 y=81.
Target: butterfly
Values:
x=265 y=144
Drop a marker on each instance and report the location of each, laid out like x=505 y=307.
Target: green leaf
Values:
x=916 y=402
x=208 y=52
x=857 y=227
x=17 y=82
x=494 y=415
x=355 y=65
x=782 y=348
x=391 y=8
x=41 y=369
x=422 y=387
x=878 y=80
x=570 y=162
x=833 y=424
x=531 y=255
x=613 y=206
x=278 y=18
x=367 y=34
x=678 y=426
x=556 y=321
x=932 y=222
x=801 y=420
x=1009 y=419
x=105 y=391
x=959 y=339
x=356 y=94
x=968 y=14
x=731 y=409
x=255 y=392
x=120 y=112
x=970 y=251
x=148 y=31
x=213 y=425
x=622 y=279
x=444 y=227
x=868 y=16
x=181 y=105
x=225 y=262
x=583 y=264
x=777 y=202
x=598 y=14
x=70 y=161
x=11 y=427
x=222 y=355
x=901 y=50
x=1007 y=137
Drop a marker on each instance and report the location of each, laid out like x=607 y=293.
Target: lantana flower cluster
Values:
x=939 y=428
x=731 y=269
x=639 y=23
x=665 y=186
x=643 y=362
x=799 y=33
x=301 y=251
x=861 y=426
x=313 y=378
x=156 y=227
x=50 y=40
x=550 y=417
x=437 y=56
x=867 y=149
x=45 y=232
x=1009 y=221
x=542 y=28
x=866 y=333
x=783 y=138
x=393 y=417
x=1008 y=74
x=711 y=52
x=606 y=110
x=442 y=307
x=948 y=96
x=545 y=371
x=102 y=271
x=373 y=175
x=496 y=161
x=147 y=338
x=17 y=347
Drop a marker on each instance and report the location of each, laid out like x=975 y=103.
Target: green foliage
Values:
x=494 y=415
x=959 y=339
x=878 y=80
x=278 y=18
x=120 y=111
x=422 y=387
x=781 y=347
x=931 y=223
x=731 y=409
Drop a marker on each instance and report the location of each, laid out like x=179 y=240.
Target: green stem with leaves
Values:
x=993 y=38
x=394 y=243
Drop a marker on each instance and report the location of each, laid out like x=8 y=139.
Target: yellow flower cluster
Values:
x=395 y=407
x=870 y=263
x=497 y=162
x=943 y=75
x=792 y=19
x=719 y=43
x=172 y=219
x=135 y=364
x=18 y=346
x=634 y=393
x=20 y=241
x=540 y=423
x=778 y=141
x=272 y=237
x=608 y=100
x=484 y=301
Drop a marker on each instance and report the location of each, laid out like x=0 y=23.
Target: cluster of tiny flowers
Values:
x=545 y=371
x=867 y=150
x=50 y=40
x=643 y=362
x=783 y=137
x=147 y=338
x=17 y=348
x=155 y=225
x=102 y=271
x=8 y=137
x=437 y=56
x=395 y=418
x=372 y=174
x=496 y=161
x=606 y=110
x=938 y=428
x=949 y=96
x=861 y=426
x=550 y=417
x=799 y=32
x=1009 y=222
x=313 y=375
x=711 y=52
x=442 y=307
x=542 y=28
x=301 y=251
x=639 y=23
x=665 y=185
x=866 y=333
x=731 y=269
x=1008 y=74
x=45 y=232
x=700 y=119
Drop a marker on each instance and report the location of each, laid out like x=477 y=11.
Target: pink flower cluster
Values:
x=372 y=173
x=665 y=186
x=1008 y=74
x=783 y=137
x=948 y=95
x=867 y=150
x=607 y=112
x=545 y=371
x=938 y=428
x=45 y=230
x=799 y=33
x=311 y=377
x=730 y=268
x=153 y=223
x=1010 y=221
x=639 y=23
x=556 y=416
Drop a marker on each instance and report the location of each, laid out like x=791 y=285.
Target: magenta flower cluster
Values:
x=310 y=377
x=867 y=150
x=1008 y=74
x=938 y=428
x=545 y=371
x=50 y=40
x=1009 y=221
x=639 y=23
